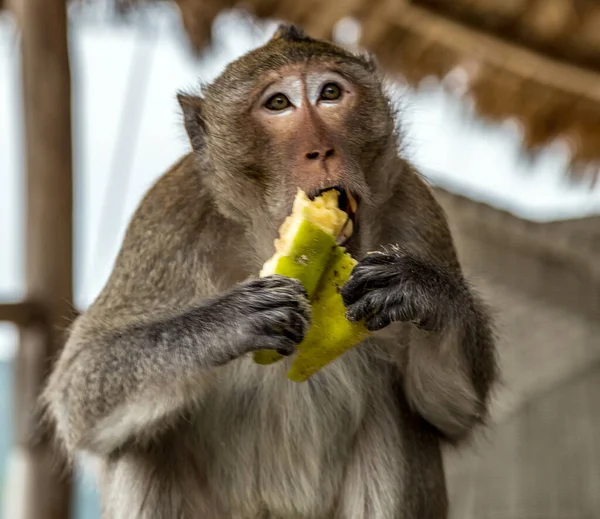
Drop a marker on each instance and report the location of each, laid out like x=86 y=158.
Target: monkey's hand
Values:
x=394 y=286
x=269 y=313
x=450 y=366
x=120 y=384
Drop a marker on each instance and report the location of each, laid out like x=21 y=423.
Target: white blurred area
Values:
x=127 y=131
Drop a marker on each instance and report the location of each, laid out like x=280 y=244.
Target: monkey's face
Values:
x=305 y=115
x=295 y=113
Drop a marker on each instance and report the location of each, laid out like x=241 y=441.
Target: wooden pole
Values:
x=41 y=489
x=22 y=314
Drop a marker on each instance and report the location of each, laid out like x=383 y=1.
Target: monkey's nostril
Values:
x=313 y=155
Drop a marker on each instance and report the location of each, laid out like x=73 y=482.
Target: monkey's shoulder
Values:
x=176 y=208
x=177 y=195
x=170 y=244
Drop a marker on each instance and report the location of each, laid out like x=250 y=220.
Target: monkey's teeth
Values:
x=352 y=202
x=346 y=231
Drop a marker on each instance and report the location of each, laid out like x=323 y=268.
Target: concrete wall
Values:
x=541 y=457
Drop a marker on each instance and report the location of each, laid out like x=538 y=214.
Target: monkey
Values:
x=156 y=383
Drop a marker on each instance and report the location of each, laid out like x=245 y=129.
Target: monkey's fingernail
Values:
x=352 y=315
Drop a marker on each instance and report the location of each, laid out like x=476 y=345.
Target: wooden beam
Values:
x=493 y=51
x=522 y=27
x=42 y=490
x=22 y=314
x=16 y=8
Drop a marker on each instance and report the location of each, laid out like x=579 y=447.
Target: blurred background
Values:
x=500 y=104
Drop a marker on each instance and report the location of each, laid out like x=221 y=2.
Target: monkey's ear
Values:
x=370 y=61
x=289 y=32
x=193 y=121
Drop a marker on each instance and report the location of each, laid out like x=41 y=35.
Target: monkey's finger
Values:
x=275 y=284
x=285 y=347
x=378 y=321
x=274 y=299
x=284 y=323
x=388 y=315
x=367 y=305
x=362 y=282
x=274 y=281
x=357 y=311
x=281 y=345
x=305 y=310
x=378 y=258
x=297 y=328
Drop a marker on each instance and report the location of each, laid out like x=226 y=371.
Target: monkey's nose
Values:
x=320 y=154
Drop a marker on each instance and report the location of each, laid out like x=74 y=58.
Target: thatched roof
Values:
x=534 y=61
x=564 y=29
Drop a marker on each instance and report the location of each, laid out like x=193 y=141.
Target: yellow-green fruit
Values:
x=330 y=333
x=305 y=261
x=306 y=240
x=307 y=251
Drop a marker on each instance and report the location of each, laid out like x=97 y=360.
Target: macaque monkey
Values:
x=157 y=382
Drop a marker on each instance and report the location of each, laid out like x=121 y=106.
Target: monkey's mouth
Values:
x=347 y=202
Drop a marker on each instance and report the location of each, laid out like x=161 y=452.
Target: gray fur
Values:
x=157 y=382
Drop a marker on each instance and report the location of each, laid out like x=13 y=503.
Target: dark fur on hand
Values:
x=396 y=286
x=270 y=313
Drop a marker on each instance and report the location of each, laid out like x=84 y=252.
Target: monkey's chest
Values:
x=276 y=444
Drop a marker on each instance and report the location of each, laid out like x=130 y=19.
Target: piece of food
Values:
x=306 y=239
x=307 y=250
x=330 y=333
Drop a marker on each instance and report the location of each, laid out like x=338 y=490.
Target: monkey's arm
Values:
x=147 y=348
x=449 y=365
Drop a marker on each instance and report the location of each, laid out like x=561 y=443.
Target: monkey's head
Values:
x=294 y=113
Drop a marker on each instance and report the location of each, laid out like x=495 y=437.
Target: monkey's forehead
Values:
x=278 y=54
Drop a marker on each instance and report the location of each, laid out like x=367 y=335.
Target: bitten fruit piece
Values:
x=306 y=239
x=307 y=251
x=330 y=333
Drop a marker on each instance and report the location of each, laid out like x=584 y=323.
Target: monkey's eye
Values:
x=331 y=92
x=277 y=102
